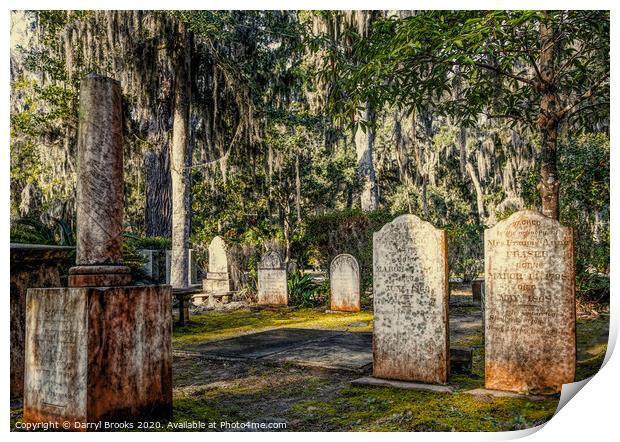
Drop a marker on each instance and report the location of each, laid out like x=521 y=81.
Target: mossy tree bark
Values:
x=364 y=140
x=548 y=122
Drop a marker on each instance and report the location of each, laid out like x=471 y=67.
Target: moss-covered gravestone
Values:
x=529 y=304
x=410 y=287
x=344 y=282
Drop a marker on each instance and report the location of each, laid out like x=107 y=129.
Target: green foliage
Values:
x=466 y=250
x=347 y=231
x=302 y=291
x=584 y=175
x=495 y=52
x=149 y=242
x=67 y=238
x=31 y=230
x=133 y=260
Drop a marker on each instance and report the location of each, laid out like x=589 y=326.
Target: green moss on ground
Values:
x=219 y=325
x=388 y=409
x=592 y=335
x=318 y=400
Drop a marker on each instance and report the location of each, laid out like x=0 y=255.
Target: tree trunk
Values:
x=548 y=121
x=365 y=168
x=478 y=188
x=157 y=189
x=181 y=159
x=297 y=189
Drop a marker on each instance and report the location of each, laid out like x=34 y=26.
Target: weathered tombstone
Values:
x=410 y=287
x=217 y=283
x=272 y=280
x=529 y=304
x=98 y=350
x=344 y=282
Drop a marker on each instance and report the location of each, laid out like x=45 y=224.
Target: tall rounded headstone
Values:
x=272 y=280
x=216 y=286
x=410 y=287
x=344 y=282
x=529 y=304
x=218 y=262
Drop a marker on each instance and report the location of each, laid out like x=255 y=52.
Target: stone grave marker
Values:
x=344 y=282
x=529 y=305
x=99 y=350
x=272 y=280
x=217 y=283
x=410 y=282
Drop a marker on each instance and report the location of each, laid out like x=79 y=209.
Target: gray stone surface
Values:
x=260 y=345
x=377 y=382
x=329 y=349
x=332 y=349
x=218 y=262
x=98 y=354
x=529 y=305
x=342 y=351
x=32 y=265
x=410 y=287
x=192 y=269
x=344 y=282
x=99 y=198
x=272 y=280
x=216 y=286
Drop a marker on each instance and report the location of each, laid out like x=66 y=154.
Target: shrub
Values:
x=348 y=231
x=465 y=250
x=302 y=291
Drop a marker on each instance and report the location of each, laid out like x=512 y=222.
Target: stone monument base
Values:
x=404 y=385
x=98 y=355
x=216 y=282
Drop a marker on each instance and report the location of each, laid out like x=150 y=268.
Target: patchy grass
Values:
x=317 y=400
x=388 y=409
x=592 y=336
x=219 y=325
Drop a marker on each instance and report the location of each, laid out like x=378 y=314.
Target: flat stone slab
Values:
x=498 y=393
x=260 y=345
x=376 y=382
x=348 y=351
x=331 y=349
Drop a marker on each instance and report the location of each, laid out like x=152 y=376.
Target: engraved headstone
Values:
x=529 y=304
x=216 y=286
x=218 y=262
x=410 y=287
x=272 y=280
x=98 y=350
x=344 y=282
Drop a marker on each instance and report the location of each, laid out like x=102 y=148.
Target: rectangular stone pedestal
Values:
x=98 y=354
x=216 y=282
